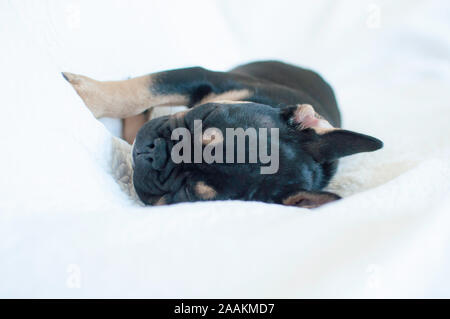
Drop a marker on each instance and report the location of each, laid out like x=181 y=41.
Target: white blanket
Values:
x=67 y=228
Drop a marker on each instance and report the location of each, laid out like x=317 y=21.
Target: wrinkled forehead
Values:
x=234 y=114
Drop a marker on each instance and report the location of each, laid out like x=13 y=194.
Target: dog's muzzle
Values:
x=152 y=153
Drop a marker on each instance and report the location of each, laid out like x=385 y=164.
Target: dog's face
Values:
x=299 y=153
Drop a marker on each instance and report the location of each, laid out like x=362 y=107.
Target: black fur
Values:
x=307 y=159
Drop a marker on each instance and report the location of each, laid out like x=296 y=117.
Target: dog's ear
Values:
x=327 y=143
x=339 y=143
x=303 y=116
x=308 y=199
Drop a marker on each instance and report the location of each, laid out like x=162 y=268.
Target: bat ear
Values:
x=303 y=116
x=308 y=199
x=325 y=142
x=339 y=143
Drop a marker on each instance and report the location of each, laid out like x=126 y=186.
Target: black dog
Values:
x=258 y=95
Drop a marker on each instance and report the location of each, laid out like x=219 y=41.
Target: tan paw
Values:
x=90 y=92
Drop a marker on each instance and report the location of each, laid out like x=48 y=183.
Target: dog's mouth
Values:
x=155 y=175
x=154 y=179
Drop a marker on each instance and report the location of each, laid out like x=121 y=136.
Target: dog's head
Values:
x=241 y=150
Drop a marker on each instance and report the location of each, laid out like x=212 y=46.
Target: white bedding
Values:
x=67 y=229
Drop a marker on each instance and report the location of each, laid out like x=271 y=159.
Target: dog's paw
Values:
x=88 y=89
x=71 y=77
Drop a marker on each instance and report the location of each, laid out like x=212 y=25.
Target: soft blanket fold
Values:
x=69 y=227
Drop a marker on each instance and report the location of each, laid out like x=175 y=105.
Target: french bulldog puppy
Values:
x=288 y=117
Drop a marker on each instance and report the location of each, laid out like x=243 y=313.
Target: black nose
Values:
x=153 y=152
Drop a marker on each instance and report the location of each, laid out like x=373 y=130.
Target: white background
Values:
x=68 y=230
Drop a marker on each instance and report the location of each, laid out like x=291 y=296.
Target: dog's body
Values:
x=270 y=82
x=265 y=94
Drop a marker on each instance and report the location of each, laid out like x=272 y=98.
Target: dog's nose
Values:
x=154 y=152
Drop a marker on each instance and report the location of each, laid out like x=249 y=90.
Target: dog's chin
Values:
x=153 y=197
x=158 y=186
x=147 y=194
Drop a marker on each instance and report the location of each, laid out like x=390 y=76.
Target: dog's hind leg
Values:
x=120 y=99
x=189 y=87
